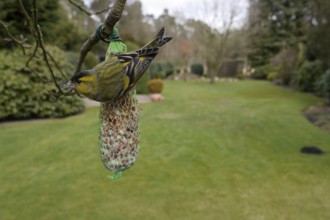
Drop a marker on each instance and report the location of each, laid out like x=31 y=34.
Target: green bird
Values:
x=114 y=77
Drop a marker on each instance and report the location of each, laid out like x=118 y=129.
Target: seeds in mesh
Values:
x=119 y=134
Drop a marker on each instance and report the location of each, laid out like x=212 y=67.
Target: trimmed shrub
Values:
x=307 y=75
x=261 y=72
x=24 y=91
x=155 y=86
x=197 y=69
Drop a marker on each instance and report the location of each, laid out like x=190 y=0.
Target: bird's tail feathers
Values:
x=159 y=40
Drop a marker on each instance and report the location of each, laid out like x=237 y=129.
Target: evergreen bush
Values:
x=261 y=72
x=307 y=75
x=322 y=86
x=155 y=86
x=197 y=69
x=24 y=92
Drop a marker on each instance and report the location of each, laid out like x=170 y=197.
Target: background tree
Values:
x=319 y=32
x=287 y=42
x=53 y=19
x=210 y=42
x=132 y=25
x=278 y=28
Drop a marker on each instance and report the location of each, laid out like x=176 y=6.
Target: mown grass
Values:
x=224 y=151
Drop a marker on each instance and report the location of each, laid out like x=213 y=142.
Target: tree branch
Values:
x=57 y=66
x=33 y=54
x=27 y=17
x=32 y=30
x=12 y=38
x=40 y=42
x=81 y=8
x=106 y=29
x=37 y=34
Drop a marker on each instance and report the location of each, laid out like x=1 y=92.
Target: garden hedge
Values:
x=24 y=92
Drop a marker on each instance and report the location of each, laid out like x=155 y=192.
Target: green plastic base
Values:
x=115 y=176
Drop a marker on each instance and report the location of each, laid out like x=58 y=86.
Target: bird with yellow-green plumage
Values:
x=118 y=74
x=111 y=83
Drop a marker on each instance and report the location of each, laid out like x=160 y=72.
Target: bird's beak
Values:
x=69 y=84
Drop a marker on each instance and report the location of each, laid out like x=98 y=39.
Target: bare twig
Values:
x=82 y=8
x=12 y=38
x=32 y=30
x=27 y=17
x=87 y=46
x=102 y=11
x=112 y=18
x=57 y=66
x=33 y=54
x=37 y=34
x=41 y=44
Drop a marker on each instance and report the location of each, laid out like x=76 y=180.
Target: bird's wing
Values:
x=141 y=67
x=148 y=52
x=126 y=57
x=146 y=56
x=129 y=61
x=136 y=63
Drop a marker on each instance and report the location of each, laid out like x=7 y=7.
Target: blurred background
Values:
x=241 y=89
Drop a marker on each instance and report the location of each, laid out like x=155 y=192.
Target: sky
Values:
x=156 y=7
x=191 y=8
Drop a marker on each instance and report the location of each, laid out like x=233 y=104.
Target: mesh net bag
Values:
x=119 y=128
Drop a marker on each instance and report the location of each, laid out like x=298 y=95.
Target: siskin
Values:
x=111 y=79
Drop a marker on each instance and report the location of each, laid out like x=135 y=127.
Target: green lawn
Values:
x=224 y=151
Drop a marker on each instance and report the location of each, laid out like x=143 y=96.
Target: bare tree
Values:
x=212 y=29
